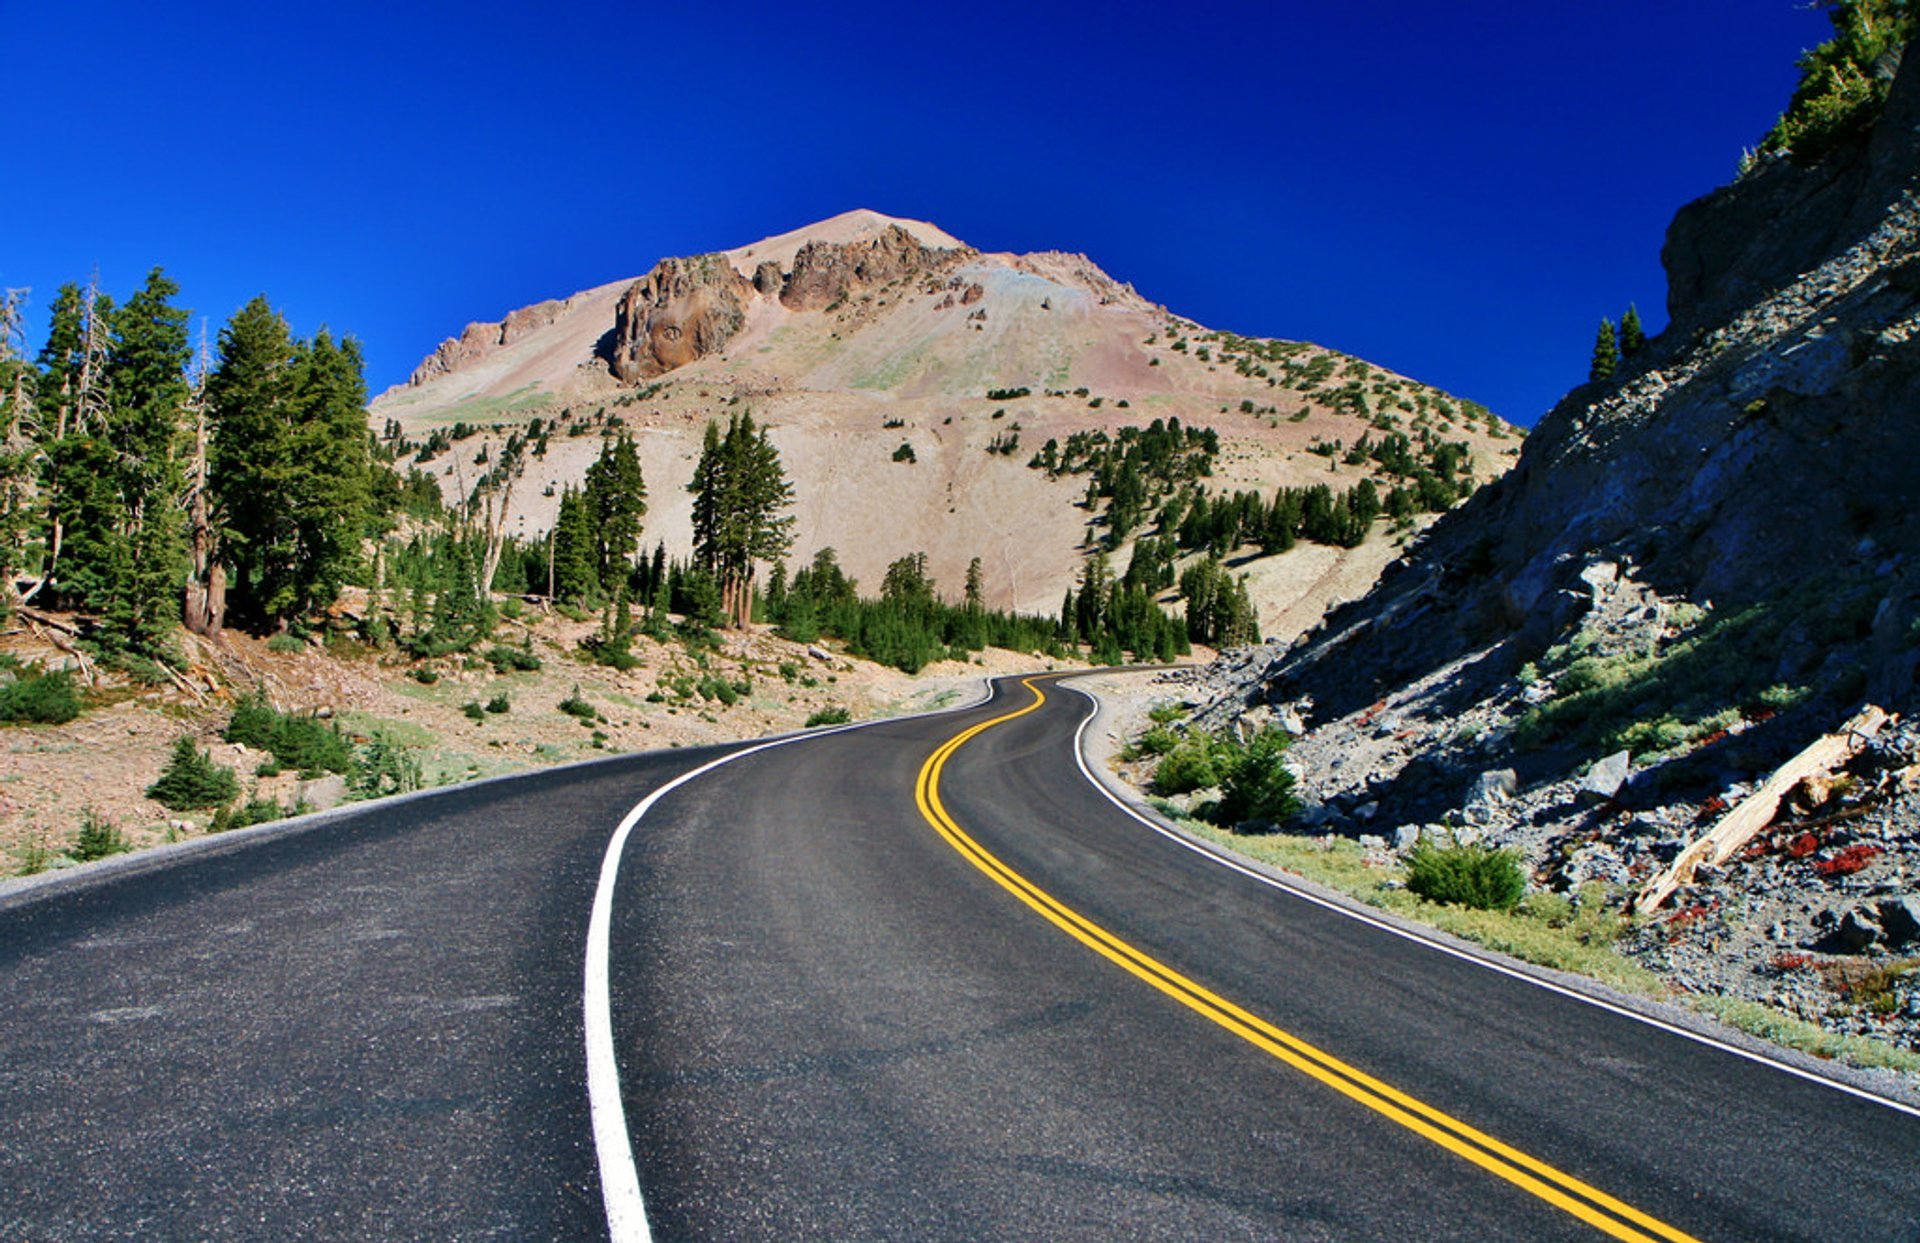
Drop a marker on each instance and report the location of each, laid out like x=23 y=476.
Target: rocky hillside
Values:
x=1695 y=570
x=908 y=380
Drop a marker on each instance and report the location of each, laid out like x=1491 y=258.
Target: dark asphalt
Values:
x=369 y=1030
x=831 y=1025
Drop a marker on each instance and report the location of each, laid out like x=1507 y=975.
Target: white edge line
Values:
x=1206 y=852
x=626 y=1211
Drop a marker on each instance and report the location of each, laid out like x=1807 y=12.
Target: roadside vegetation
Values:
x=1470 y=891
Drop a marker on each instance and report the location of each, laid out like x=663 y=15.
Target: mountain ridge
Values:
x=869 y=345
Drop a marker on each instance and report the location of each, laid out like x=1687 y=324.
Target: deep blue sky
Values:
x=1456 y=190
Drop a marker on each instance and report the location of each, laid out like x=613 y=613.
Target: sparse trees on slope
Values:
x=1633 y=338
x=1606 y=353
x=740 y=494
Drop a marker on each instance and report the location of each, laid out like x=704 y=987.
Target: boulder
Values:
x=1493 y=787
x=1899 y=919
x=1608 y=776
x=323 y=793
x=1858 y=931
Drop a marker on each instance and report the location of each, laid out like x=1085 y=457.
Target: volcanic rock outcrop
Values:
x=825 y=272
x=682 y=310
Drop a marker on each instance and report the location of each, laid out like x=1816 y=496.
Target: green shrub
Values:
x=1192 y=765
x=99 y=837
x=425 y=675
x=512 y=660
x=499 y=704
x=286 y=641
x=252 y=722
x=298 y=742
x=256 y=810
x=36 y=698
x=835 y=715
x=474 y=709
x=1256 y=784
x=383 y=767
x=1466 y=875
x=1157 y=741
x=575 y=705
x=1166 y=713
x=191 y=779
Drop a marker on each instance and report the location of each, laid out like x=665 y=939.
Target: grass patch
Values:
x=1545 y=929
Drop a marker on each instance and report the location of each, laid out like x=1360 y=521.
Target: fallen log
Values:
x=1757 y=810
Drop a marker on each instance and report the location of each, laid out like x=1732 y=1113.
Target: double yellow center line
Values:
x=1563 y=1191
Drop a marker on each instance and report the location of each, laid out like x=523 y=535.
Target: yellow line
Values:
x=1561 y=1190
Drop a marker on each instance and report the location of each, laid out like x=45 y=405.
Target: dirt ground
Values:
x=51 y=776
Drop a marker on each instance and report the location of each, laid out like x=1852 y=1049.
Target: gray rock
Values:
x=1494 y=787
x=1406 y=837
x=324 y=793
x=1900 y=918
x=1372 y=841
x=819 y=654
x=1859 y=929
x=1365 y=812
x=1607 y=776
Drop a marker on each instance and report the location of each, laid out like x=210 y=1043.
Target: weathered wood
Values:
x=1758 y=809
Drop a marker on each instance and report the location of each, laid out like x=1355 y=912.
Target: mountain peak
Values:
x=859 y=225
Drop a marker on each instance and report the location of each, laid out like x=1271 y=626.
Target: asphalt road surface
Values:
x=902 y=981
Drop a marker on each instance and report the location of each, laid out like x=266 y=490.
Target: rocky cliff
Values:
x=483 y=339
x=684 y=309
x=1697 y=568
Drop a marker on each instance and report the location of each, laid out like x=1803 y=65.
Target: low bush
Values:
x=835 y=715
x=575 y=705
x=383 y=767
x=299 y=742
x=1256 y=784
x=191 y=779
x=99 y=837
x=1466 y=874
x=512 y=660
x=39 y=698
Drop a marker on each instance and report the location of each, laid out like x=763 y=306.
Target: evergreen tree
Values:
x=116 y=474
x=1633 y=338
x=616 y=496
x=976 y=594
x=290 y=474
x=576 y=550
x=1606 y=354
x=740 y=494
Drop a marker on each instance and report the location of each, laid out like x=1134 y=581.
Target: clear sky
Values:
x=1456 y=190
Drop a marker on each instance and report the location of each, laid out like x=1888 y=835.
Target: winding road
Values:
x=916 y=979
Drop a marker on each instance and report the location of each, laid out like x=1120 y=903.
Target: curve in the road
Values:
x=1565 y=1192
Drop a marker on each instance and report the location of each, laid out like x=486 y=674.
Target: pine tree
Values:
x=290 y=473
x=1633 y=338
x=616 y=496
x=740 y=494
x=138 y=548
x=576 y=555
x=976 y=594
x=1606 y=354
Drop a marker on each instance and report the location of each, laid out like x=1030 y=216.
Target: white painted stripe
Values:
x=1491 y=964
x=613 y=1147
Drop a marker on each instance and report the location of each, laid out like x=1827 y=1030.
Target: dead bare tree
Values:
x=18 y=425
x=205 y=606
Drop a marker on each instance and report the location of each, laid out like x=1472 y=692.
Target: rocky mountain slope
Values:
x=1695 y=570
x=862 y=334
